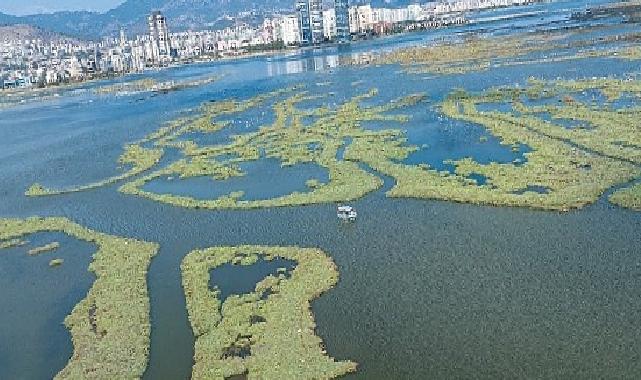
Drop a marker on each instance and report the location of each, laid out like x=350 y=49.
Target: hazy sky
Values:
x=24 y=7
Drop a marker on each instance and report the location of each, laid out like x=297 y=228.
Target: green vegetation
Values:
x=149 y=84
x=575 y=166
x=609 y=131
x=11 y=243
x=480 y=54
x=43 y=249
x=567 y=167
x=110 y=328
x=458 y=58
x=288 y=139
x=629 y=198
x=269 y=333
x=291 y=142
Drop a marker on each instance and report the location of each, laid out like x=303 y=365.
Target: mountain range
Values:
x=131 y=15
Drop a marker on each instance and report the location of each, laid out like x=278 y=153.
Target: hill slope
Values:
x=26 y=32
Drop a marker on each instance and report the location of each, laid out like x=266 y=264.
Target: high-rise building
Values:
x=159 y=35
x=123 y=38
x=341 y=8
x=310 y=21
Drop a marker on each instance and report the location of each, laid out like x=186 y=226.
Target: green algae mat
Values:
x=268 y=333
x=567 y=168
x=110 y=327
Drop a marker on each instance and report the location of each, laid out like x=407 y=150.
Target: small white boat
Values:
x=347 y=213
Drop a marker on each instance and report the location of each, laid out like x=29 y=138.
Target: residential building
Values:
x=310 y=21
x=289 y=30
x=361 y=19
x=329 y=24
x=341 y=17
x=159 y=37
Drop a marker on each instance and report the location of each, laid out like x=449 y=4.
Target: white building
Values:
x=361 y=19
x=289 y=31
x=329 y=24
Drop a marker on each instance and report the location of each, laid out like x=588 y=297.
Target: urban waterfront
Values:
x=426 y=288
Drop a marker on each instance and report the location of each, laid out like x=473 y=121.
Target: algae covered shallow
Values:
x=575 y=167
x=265 y=334
x=110 y=326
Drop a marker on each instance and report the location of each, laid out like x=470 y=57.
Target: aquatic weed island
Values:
x=267 y=333
x=565 y=167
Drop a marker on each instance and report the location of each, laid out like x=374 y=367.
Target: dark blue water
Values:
x=264 y=179
x=564 y=122
x=35 y=299
x=229 y=279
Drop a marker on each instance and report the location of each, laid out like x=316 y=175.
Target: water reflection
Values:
x=311 y=61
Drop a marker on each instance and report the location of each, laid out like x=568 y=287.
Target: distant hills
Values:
x=182 y=14
x=27 y=32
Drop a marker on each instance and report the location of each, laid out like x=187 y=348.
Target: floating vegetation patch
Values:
x=43 y=249
x=476 y=54
x=574 y=166
x=11 y=243
x=613 y=132
x=56 y=263
x=152 y=85
x=110 y=328
x=518 y=149
x=268 y=333
x=289 y=141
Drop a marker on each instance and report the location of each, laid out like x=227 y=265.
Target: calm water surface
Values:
x=428 y=289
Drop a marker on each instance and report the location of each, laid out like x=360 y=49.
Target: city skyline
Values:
x=41 y=63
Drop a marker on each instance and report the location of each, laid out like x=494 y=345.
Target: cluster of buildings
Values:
x=42 y=63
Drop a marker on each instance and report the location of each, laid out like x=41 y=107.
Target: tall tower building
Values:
x=123 y=37
x=159 y=35
x=341 y=8
x=310 y=21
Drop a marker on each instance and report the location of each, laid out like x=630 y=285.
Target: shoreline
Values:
x=31 y=90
